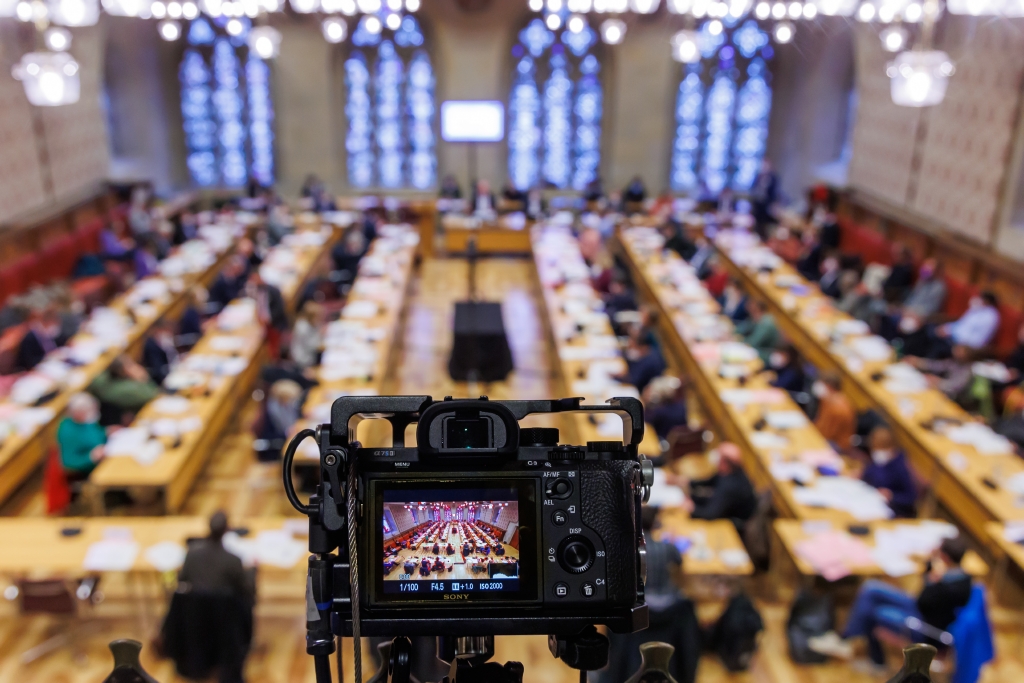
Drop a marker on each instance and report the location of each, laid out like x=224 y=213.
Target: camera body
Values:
x=483 y=528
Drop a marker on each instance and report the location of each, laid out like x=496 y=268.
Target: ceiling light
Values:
x=715 y=27
x=368 y=6
x=372 y=25
x=700 y=8
x=918 y=78
x=718 y=9
x=886 y=13
x=810 y=10
x=837 y=8
x=685 y=47
x=866 y=12
x=644 y=6
x=169 y=30
x=265 y=41
x=395 y=5
x=189 y=10
x=554 y=5
x=50 y=79
x=536 y=5
x=23 y=10
x=125 y=8
x=679 y=6
x=778 y=10
x=554 y=22
x=600 y=6
x=576 y=24
x=893 y=38
x=57 y=39
x=912 y=13
x=783 y=32
x=174 y=10
x=762 y=10
x=158 y=10
x=795 y=10
x=348 y=7
x=335 y=29
x=74 y=12
x=305 y=6
x=393 y=21
x=618 y=6
x=613 y=31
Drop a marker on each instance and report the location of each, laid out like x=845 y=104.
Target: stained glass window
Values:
x=722 y=109
x=555 y=108
x=226 y=109
x=390 y=141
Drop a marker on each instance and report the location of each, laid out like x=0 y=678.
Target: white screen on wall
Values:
x=477 y=121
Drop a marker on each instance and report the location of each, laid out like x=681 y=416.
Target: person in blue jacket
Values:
x=888 y=472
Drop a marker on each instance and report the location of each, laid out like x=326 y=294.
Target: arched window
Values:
x=226 y=108
x=390 y=109
x=722 y=109
x=555 y=107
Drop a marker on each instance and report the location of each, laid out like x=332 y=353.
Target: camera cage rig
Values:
x=333 y=515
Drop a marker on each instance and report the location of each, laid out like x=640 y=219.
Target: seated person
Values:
x=279 y=412
x=159 y=353
x=80 y=437
x=676 y=240
x=734 y=302
x=425 y=566
x=466 y=549
x=665 y=405
x=346 y=255
x=410 y=566
x=643 y=361
x=975 y=329
x=229 y=284
x=449 y=549
x=760 y=331
x=39 y=340
x=901 y=277
x=510 y=193
x=703 y=257
x=270 y=306
x=499 y=549
x=482 y=202
x=952 y=376
x=828 y=283
x=928 y=295
x=438 y=564
x=726 y=495
x=436 y=549
x=789 y=371
x=190 y=325
x=125 y=387
x=619 y=297
x=947 y=588
x=811 y=253
x=450 y=188
x=888 y=472
x=836 y=418
x=862 y=301
x=147 y=258
x=635 y=192
x=448 y=564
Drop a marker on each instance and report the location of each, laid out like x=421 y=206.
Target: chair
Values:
x=57 y=597
x=683 y=441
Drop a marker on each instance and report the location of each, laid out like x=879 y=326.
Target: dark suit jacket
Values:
x=30 y=351
x=278 y=312
x=156 y=360
x=209 y=568
x=190 y=327
x=225 y=290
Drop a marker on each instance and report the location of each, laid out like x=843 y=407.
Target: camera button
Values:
x=561 y=590
x=559 y=518
x=559 y=488
x=587 y=590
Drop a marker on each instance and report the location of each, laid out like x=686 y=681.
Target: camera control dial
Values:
x=576 y=554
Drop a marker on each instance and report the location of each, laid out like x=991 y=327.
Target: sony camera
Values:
x=484 y=527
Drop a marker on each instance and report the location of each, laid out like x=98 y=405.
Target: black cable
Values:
x=322 y=667
x=289 y=455
x=583 y=676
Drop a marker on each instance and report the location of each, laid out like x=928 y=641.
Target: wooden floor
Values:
x=234 y=482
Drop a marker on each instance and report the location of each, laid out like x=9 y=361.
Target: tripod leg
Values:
x=322 y=667
x=401 y=660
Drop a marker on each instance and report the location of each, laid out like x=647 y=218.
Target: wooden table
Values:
x=710 y=538
x=955 y=473
x=736 y=422
x=791 y=533
x=571 y=369
x=490 y=239
x=176 y=469
x=22 y=452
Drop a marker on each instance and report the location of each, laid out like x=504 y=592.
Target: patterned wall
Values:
x=21 y=180
x=884 y=134
x=963 y=151
x=969 y=136
x=74 y=137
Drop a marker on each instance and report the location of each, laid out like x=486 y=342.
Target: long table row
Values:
x=173 y=436
x=30 y=414
x=783 y=452
x=972 y=471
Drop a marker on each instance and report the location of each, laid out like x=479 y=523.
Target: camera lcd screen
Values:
x=444 y=541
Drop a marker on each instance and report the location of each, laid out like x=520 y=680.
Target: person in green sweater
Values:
x=125 y=386
x=760 y=331
x=80 y=437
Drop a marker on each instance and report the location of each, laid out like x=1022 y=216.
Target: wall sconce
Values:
x=50 y=78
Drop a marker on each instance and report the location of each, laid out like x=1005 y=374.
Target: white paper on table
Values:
x=894 y=565
x=733 y=557
x=126 y=441
x=766 y=440
x=242 y=548
x=993 y=370
x=1014 y=532
x=737 y=352
x=785 y=419
x=1015 y=484
x=296 y=527
x=230 y=367
x=981 y=437
x=792 y=471
x=165 y=556
x=165 y=426
x=852 y=327
x=86 y=350
x=228 y=343
x=171 y=405
x=609 y=425
x=871 y=348
x=279 y=549
x=360 y=309
x=663 y=494
x=111 y=555
x=861 y=501
x=30 y=388
x=27 y=420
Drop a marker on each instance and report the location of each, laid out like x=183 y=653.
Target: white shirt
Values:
x=975 y=328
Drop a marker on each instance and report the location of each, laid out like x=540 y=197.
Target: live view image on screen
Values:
x=459 y=540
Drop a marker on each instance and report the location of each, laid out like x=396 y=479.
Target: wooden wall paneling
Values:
x=920 y=245
x=957 y=264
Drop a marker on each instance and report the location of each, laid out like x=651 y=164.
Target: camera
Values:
x=483 y=528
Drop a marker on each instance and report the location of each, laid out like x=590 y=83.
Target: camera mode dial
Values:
x=566 y=454
x=576 y=554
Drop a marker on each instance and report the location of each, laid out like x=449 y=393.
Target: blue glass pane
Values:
x=752 y=109
x=580 y=42
x=200 y=32
x=689 y=109
x=200 y=130
x=360 y=126
x=420 y=99
x=409 y=34
x=557 y=124
x=709 y=42
x=524 y=126
x=536 y=37
x=227 y=105
x=721 y=98
x=749 y=38
x=261 y=119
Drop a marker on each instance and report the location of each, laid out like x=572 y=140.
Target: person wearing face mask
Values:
x=80 y=437
x=789 y=373
x=828 y=283
x=159 y=353
x=734 y=303
x=836 y=418
x=887 y=471
x=975 y=329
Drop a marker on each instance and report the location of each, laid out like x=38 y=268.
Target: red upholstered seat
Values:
x=91 y=291
x=12 y=282
x=1006 y=336
x=847 y=234
x=716 y=282
x=958 y=295
x=9 y=342
x=88 y=235
x=874 y=248
x=33 y=269
x=60 y=257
